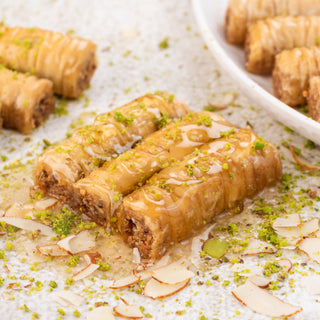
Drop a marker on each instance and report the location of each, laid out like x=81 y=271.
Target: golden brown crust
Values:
x=101 y=192
x=181 y=199
x=236 y=21
x=241 y=14
x=111 y=134
x=292 y=72
x=69 y=62
x=314 y=98
x=25 y=101
x=266 y=38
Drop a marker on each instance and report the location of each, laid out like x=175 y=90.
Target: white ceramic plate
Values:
x=210 y=17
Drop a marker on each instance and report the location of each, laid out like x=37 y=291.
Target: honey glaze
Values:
x=15 y=195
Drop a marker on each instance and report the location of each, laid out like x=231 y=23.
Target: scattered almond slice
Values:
x=312 y=284
x=45 y=204
x=261 y=282
x=317 y=234
x=83 y=241
x=19 y=210
x=64 y=244
x=136 y=258
x=92 y=257
x=301 y=161
x=73 y=244
x=101 y=313
x=223 y=102
x=172 y=273
x=256 y=246
x=69 y=297
x=285 y=264
x=29 y=225
x=261 y=301
x=128 y=311
x=292 y=220
x=145 y=273
x=295 y=234
x=6 y=295
x=51 y=250
x=311 y=246
x=89 y=269
x=157 y=290
x=60 y=301
x=124 y=282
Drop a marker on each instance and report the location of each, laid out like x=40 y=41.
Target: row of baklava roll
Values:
x=280 y=37
x=42 y=63
x=156 y=171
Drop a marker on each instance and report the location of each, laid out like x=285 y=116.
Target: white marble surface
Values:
x=128 y=33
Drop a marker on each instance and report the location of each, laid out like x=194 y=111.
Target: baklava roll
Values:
x=266 y=38
x=101 y=193
x=183 y=198
x=69 y=62
x=111 y=134
x=292 y=72
x=314 y=98
x=25 y=101
x=241 y=13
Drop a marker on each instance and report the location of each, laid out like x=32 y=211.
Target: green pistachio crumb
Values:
x=73 y=261
x=61 y=311
x=215 y=248
x=77 y=313
x=9 y=246
x=259 y=145
x=164 y=44
x=53 y=284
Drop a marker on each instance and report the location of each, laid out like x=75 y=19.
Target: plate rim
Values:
x=302 y=124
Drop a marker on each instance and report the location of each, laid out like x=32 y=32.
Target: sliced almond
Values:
x=73 y=244
x=92 y=257
x=295 y=234
x=136 y=258
x=128 y=311
x=85 y=272
x=285 y=264
x=311 y=246
x=156 y=290
x=64 y=244
x=317 y=234
x=29 y=225
x=256 y=246
x=302 y=162
x=223 y=102
x=83 y=241
x=312 y=284
x=70 y=297
x=19 y=210
x=124 y=282
x=101 y=313
x=45 y=204
x=60 y=301
x=261 y=301
x=172 y=273
x=259 y=281
x=51 y=250
x=292 y=220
